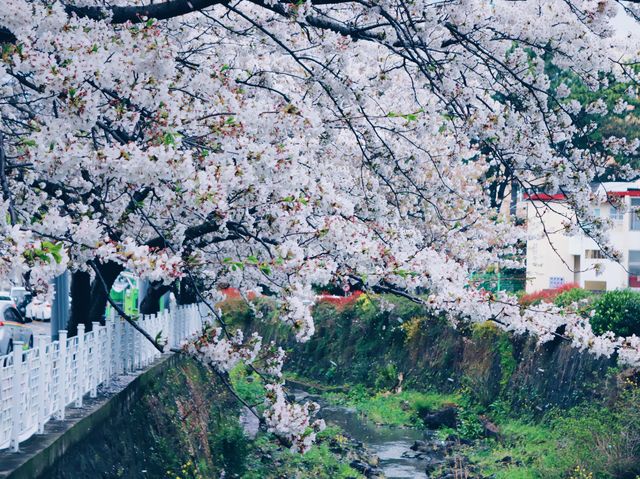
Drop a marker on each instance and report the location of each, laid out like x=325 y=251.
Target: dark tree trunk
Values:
x=150 y=304
x=186 y=292
x=80 y=302
x=99 y=293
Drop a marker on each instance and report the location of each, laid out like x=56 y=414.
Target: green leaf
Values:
x=168 y=139
x=403 y=273
x=266 y=269
x=43 y=256
x=57 y=257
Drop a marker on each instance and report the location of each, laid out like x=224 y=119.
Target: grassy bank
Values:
x=329 y=457
x=561 y=413
x=381 y=341
x=390 y=409
x=590 y=441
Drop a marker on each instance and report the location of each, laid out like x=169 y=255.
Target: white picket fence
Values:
x=37 y=385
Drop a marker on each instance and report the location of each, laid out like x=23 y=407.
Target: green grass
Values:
x=597 y=440
x=318 y=462
x=247 y=384
x=393 y=409
x=534 y=451
x=603 y=442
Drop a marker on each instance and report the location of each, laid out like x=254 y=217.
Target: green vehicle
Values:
x=510 y=280
x=124 y=293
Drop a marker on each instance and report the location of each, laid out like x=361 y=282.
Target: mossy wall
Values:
x=368 y=344
x=179 y=423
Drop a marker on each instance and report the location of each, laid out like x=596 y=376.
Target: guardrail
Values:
x=37 y=384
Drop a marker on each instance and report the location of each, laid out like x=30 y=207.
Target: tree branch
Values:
x=125 y=316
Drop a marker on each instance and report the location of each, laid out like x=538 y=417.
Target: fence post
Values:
x=62 y=374
x=170 y=331
x=137 y=345
x=119 y=352
x=128 y=348
x=149 y=349
x=81 y=367
x=183 y=326
x=161 y=326
x=125 y=345
x=16 y=395
x=132 y=347
x=45 y=371
x=109 y=367
x=95 y=359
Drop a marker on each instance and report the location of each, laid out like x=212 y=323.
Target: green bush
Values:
x=229 y=448
x=386 y=377
x=574 y=295
x=617 y=311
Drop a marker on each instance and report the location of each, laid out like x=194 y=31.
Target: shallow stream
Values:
x=392 y=445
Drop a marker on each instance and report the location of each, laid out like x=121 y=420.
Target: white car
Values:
x=22 y=298
x=38 y=309
x=12 y=328
x=5 y=301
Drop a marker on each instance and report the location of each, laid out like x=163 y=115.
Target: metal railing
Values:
x=38 y=384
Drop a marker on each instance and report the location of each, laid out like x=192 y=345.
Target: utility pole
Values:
x=60 y=305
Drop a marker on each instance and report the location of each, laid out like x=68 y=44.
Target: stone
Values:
x=489 y=429
x=445 y=417
x=360 y=466
x=433 y=463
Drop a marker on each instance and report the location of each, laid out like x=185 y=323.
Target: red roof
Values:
x=624 y=193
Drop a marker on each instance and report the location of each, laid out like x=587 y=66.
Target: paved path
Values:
x=39 y=327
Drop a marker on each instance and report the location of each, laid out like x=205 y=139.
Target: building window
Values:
x=635 y=215
x=596 y=212
x=555 y=282
x=615 y=214
x=594 y=254
x=634 y=269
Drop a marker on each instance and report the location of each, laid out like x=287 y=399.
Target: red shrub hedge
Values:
x=546 y=295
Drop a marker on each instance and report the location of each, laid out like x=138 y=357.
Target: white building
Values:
x=554 y=258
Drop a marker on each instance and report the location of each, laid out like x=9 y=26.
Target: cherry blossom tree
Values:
x=273 y=146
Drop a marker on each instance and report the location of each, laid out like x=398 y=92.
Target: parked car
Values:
x=38 y=309
x=12 y=329
x=5 y=301
x=22 y=298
